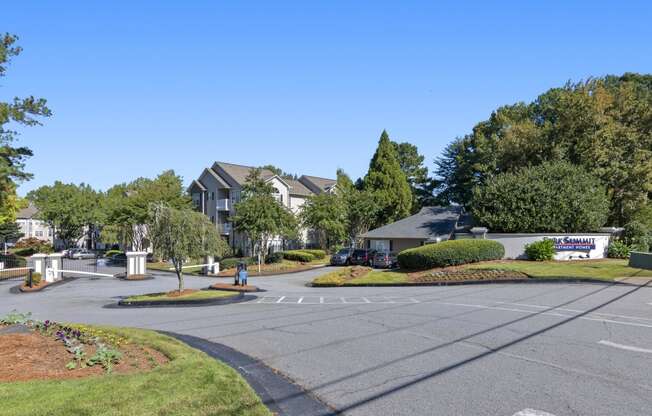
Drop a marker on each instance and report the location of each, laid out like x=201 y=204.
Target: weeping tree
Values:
x=183 y=234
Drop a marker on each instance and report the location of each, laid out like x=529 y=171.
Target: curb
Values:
x=16 y=290
x=281 y=395
x=264 y=274
x=481 y=282
x=186 y=303
x=123 y=277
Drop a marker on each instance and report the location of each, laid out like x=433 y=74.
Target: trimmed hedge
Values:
x=232 y=262
x=274 y=258
x=36 y=279
x=318 y=254
x=450 y=253
x=298 y=255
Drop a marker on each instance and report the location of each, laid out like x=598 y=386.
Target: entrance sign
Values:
x=575 y=247
x=574 y=243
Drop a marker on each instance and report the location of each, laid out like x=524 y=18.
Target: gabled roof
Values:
x=27 y=213
x=428 y=224
x=196 y=184
x=222 y=181
x=236 y=175
x=297 y=188
x=317 y=184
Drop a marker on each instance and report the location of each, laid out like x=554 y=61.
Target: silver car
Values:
x=82 y=255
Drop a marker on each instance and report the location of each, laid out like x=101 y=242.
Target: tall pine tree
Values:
x=388 y=183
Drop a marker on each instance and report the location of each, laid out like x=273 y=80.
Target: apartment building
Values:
x=219 y=188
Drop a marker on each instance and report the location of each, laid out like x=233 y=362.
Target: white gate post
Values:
x=136 y=263
x=55 y=265
x=39 y=263
x=210 y=266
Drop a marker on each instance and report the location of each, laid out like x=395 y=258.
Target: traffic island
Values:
x=188 y=297
x=235 y=288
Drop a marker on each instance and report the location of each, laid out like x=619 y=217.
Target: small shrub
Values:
x=274 y=258
x=450 y=253
x=36 y=279
x=618 y=250
x=232 y=262
x=110 y=253
x=540 y=250
x=637 y=236
x=298 y=255
x=318 y=254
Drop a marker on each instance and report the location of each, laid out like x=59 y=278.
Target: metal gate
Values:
x=92 y=266
x=13 y=268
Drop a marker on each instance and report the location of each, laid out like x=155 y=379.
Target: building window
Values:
x=38 y=233
x=213 y=219
x=212 y=196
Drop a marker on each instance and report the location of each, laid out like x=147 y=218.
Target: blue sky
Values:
x=139 y=87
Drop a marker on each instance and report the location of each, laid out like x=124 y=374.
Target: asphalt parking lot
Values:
x=496 y=349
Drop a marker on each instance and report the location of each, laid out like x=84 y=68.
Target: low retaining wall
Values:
x=640 y=260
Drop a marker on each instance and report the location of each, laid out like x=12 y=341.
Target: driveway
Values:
x=497 y=349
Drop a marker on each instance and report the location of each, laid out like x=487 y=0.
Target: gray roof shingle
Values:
x=237 y=174
x=428 y=224
x=297 y=188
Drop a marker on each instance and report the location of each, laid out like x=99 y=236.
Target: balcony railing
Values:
x=223 y=205
x=226 y=228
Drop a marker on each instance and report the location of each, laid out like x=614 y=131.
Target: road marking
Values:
x=300 y=300
x=547 y=313
x=334 y=300
x=625 y=347
x=532 y=412
x=638 y=318
x=281 y=299
x=321 y=300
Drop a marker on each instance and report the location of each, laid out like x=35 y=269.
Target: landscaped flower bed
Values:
x=32 y=349
x=155 y=375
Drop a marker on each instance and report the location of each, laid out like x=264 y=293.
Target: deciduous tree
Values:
x=182 y=234
x=551 y=197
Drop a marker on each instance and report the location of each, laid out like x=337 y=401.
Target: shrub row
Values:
x=540 y=250
x=450 y=253
x=298 y=255
x=232 y=262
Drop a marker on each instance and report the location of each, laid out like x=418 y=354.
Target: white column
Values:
x=136 y=263
x=209 y=267
x=39 y=263
x=55 y=265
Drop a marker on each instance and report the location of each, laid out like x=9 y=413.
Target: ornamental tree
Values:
x=182 y=234
x=326 y=214
x=552 y=197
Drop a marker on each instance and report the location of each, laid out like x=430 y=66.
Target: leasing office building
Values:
x=219 y=188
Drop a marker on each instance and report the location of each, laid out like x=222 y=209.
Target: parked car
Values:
x=120 y=258
x=362 y=257
x=69 y=252
x=83 y=254
x=385 y=260
x=342 y=257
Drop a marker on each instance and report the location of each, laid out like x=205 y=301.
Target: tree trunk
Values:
x=179 y=270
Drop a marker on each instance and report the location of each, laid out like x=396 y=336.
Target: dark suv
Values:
x=385 y=260
x=342 y=257
x=362 y=257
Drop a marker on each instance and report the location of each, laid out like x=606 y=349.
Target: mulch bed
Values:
x=457 y=275
x=32 y=356
x=35 y=288
x=233 y=288
x=253 y=271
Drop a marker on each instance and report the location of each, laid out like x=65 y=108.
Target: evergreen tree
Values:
x=388 y=183
x=416 y=173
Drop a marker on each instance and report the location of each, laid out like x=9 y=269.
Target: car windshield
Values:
x=343 y=252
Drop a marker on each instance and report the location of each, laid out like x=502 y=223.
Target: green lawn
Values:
x=201 y=294
x=342 y=276
x=607 y=269
x=190 y=384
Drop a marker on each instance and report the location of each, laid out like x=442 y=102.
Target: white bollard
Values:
x=55 y=265
x=136 y=263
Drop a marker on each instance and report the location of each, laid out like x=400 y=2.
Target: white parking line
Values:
x=334 y=300
x=625 y=347
x=281 y=299
x=532 y=412
x=638 y=318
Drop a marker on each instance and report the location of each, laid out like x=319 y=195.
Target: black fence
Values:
x=93 y=266
x=13 y=267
